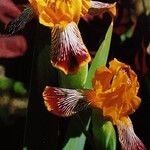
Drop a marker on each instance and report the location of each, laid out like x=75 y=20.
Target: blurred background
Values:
x=130 y=44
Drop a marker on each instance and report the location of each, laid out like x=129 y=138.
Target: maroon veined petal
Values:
x=127 y=137
x=68 y=51
x=64 y=102
x=98 y=8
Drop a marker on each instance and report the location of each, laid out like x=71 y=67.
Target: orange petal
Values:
x=86 y=4
x=59 y=12
x=63 y=102
x=121 y=77
x=111 y=113
x=116 y=90
x=68 y=52
x=115 y=65
x=127 y=137
x=104 y=76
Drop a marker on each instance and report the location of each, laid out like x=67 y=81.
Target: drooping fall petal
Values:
x=68 y=51
x=127 y=137
x=63 y=102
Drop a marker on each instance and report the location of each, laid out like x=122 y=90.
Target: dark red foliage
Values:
x=8 y=11
x=12 y=46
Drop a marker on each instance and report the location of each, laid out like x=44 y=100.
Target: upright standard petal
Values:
x=64 y=102
x=60 y=12
x=68 y=51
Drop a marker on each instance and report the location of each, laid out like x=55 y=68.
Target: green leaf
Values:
x=75 y=81
x=103 y=131
x=100 y=58
x=75 y=143
x=75 y=135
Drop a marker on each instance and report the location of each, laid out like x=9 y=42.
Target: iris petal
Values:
x=64 y=102
x=116 y=90
x=127 y=137
x=68 y=51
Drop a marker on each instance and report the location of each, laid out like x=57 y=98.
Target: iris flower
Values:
x=114 y=93
x=68 y=51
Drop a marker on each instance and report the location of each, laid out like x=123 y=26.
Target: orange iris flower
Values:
x=114 y=92
x=68 y=51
